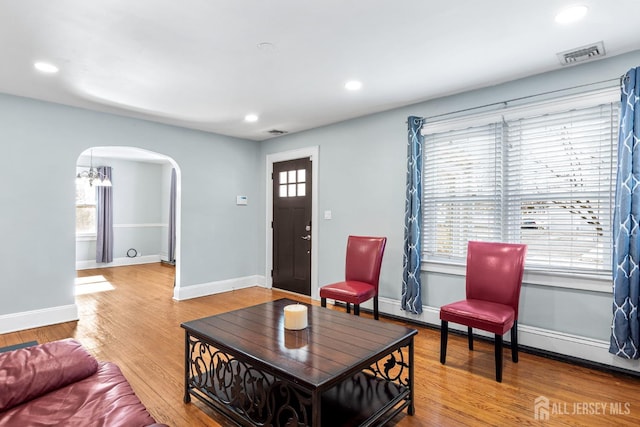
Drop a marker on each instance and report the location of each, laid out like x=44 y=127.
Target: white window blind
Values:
x=462 y=189
x=560 y=187
x=546 y=180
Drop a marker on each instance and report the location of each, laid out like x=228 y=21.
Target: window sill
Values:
x=80 y=237
x=583 y=282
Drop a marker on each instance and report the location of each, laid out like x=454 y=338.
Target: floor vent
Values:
x=276 y=132
x=584 y=53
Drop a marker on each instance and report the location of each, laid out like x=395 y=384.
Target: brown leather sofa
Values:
x=60 y=383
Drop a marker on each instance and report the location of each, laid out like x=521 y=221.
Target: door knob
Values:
x=307 y=237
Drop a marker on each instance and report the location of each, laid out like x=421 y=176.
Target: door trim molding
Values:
x=313 y=153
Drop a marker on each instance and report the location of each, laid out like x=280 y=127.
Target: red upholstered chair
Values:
x=494 y=278
x=362 y=273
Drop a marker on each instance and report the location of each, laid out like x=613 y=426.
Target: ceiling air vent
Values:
x=276 y=132
x=583 y=53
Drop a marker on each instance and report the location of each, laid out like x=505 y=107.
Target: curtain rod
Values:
x=523 y=98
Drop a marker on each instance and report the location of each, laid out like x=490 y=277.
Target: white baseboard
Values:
x=37 y=318
x=204 y=289
x=584 y=348
x=117 y=262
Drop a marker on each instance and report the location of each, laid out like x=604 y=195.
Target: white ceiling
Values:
x=197 y=63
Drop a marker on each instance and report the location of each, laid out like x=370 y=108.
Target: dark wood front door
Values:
x=292 y=225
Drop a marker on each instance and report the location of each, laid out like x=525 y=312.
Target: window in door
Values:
x=292 y=183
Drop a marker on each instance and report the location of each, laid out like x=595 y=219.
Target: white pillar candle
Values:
x=295 y=316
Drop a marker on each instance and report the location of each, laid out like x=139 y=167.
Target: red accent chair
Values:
x=362 y=273
x=493 y=279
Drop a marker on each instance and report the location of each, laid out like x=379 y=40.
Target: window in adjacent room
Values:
x=85 y=209
x=543 y=175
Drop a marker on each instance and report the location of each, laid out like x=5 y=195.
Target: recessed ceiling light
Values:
x=571 y=14
x=353 y=85
x=267 y=46
x=251 y=118
x=45 y=67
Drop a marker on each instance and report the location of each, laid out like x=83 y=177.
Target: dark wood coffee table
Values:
x=342 y=370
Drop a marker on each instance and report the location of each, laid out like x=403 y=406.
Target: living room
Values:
x=361 y=171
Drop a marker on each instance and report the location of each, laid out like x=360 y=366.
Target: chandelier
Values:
x=100 y=179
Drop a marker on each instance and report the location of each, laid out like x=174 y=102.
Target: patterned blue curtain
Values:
x=625 y=329
x=411 y=286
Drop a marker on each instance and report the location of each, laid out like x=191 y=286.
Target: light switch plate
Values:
x=327 y=214
x=241 y=200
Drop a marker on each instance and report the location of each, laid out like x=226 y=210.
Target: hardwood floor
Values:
x=137 y=325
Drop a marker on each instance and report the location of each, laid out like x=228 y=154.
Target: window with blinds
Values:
x=544 y=179
x=462 y=184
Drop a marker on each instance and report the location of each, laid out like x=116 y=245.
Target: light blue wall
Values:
x=37 y=256
x=137 y=200
x=362 y=177
x=136 y=190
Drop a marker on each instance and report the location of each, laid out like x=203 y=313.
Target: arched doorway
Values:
x=142 y=195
